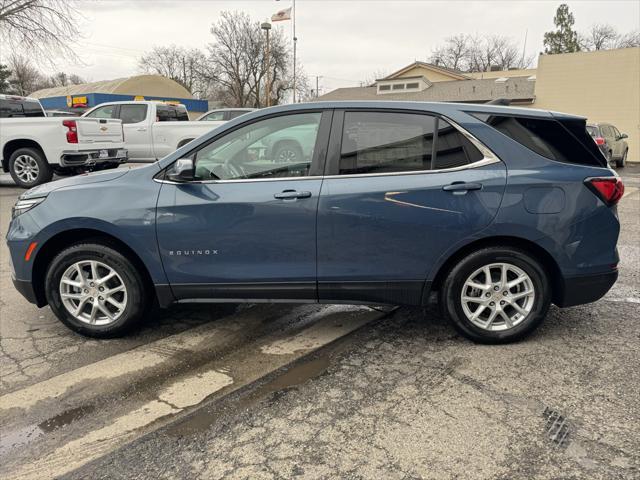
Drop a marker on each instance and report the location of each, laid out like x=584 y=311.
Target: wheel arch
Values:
x=67 y=238
x=13 y=145
x=546 y=259
x=183 y=142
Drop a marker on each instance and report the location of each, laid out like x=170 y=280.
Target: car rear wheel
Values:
x=28 y=167
x=496 y=295
x=96 y=291
x=623 y=161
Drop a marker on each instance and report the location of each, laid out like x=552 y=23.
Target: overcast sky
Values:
x=344 y=41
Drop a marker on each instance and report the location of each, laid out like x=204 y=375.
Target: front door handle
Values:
x=291 y=195
x=462 y=187
x=142 y=129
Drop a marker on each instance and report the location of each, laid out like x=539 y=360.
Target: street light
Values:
x=266 y=26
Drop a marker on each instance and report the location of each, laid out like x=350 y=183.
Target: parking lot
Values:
x=316 y=391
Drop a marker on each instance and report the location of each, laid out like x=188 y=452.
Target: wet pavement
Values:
x=282 y=391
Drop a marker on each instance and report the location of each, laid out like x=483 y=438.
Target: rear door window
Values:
x=214 y=117
x=564 y=141
x=18 y=107
x=388 y=142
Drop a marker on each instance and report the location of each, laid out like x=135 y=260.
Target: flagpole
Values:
x=295 y=40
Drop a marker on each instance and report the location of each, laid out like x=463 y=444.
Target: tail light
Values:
x=608 y=189
x=72 y=130
x=599 y=140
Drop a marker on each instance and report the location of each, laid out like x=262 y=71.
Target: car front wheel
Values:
x=623 y=161
x=96 y=291
x=496 y=295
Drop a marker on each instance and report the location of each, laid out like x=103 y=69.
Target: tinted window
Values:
x=32 y=109
x=593 y=131
x=181 y=113
x=133 y=113
x=564 y=142
x=103 y=112
x=272 y=148
x=163 y=113
x=379 y=142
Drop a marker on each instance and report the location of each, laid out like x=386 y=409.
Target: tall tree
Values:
x=5 y=74
x=25 y=78
x=185 y=66
x=42 y=28
x=237 y=62
x=564 y=39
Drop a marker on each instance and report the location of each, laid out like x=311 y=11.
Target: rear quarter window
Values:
x=565 y=140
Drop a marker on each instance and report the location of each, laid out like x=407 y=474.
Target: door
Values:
x=618 y=142
x=137 y=130
x=246 y=228
x=402 y=189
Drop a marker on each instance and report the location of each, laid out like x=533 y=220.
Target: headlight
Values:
x=25 y=205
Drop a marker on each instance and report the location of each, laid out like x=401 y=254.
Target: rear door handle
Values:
x=462 y=187
x=142 y=129
x=291 y=195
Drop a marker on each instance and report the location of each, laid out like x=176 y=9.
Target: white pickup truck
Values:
x=33 y=147
x=152 y=130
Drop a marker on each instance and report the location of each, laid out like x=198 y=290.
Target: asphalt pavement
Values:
x=311 y=391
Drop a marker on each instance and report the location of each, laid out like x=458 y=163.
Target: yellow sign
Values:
x=138 y=98
x=78 y=100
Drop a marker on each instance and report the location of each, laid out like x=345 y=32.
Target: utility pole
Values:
x=318 y=77
x=266 y=26
x=295 y=42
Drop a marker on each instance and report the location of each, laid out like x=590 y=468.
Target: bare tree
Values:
x=185 y=66
x=628 y=40
x=599 y=37
x=25 y=78
x=237 y=62
x=478 y=53
x=40 y=27
x=453 y=54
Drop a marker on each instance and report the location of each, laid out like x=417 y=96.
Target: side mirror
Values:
x=623 y=135
x=182 y=171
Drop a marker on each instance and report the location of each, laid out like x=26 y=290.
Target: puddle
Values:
x=18 y=438
x=294 y=376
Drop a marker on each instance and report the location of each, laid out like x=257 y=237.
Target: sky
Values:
x=343 y=41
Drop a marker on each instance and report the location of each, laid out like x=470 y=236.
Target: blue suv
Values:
x=500 y=210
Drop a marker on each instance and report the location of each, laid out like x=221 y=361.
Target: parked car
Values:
x=223 y=114
x=611 y=142
x=34 y=146
x=398 y=200
x=152 y=130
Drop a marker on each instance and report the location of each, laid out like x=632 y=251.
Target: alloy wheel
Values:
x=498 y=296
x=26 y=168
x=93 y=292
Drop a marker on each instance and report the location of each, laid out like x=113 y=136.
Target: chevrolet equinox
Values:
x=501 y=211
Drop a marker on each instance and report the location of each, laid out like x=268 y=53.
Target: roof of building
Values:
x=454 y=74
x=481 y=90
x=151 y=85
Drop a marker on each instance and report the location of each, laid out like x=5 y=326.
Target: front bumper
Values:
x=585 y=288
x=90 y=158
x=25 y=288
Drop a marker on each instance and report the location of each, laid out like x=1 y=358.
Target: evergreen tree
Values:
x=5 y=73
x=565 y=38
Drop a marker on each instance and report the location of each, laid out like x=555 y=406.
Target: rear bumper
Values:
x=585 y=288
x=90 y=158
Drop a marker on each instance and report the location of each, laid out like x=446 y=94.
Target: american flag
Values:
x=281 y=15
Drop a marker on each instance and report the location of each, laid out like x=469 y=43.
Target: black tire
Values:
x=288 y=152
x=37 y=162
x=451 y=293
x=137 y=294
x=184 y=142
x=623 y=161
x=609 y=158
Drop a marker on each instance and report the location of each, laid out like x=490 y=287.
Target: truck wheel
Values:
x=29 y=168
x=287 y=152
x=96 y=291
x=623 y=161
x=496 y=295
